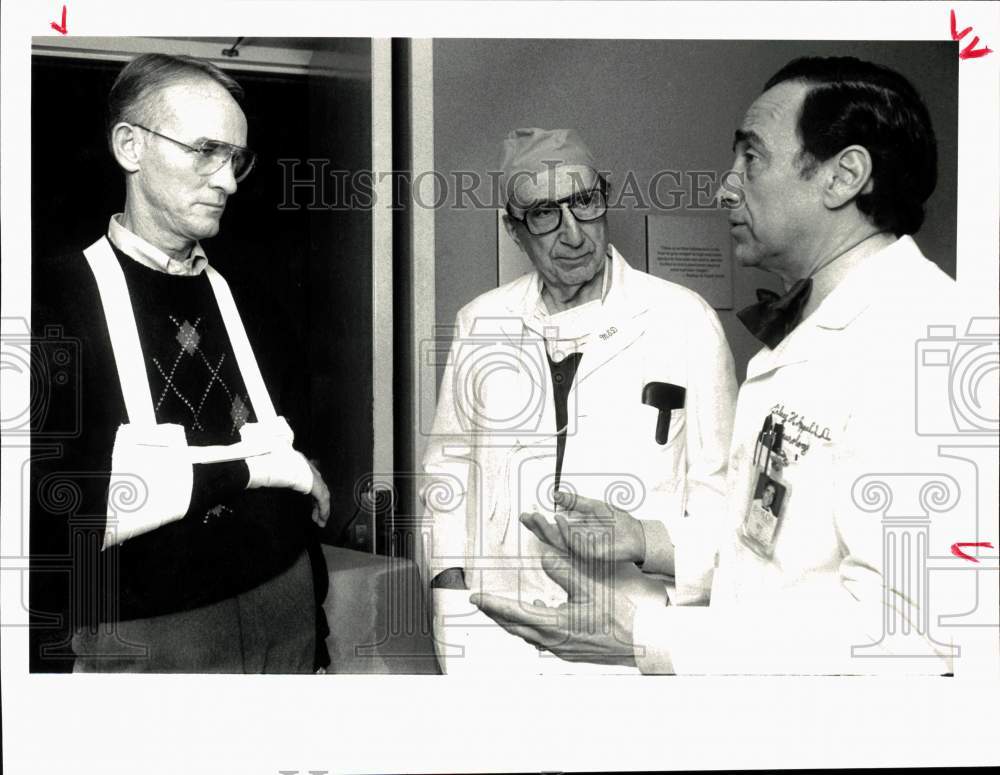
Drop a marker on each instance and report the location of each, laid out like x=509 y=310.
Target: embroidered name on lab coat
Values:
x=798 y=429
x=609 y=333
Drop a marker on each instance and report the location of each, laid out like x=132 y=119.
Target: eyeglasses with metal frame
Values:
x=212 y=155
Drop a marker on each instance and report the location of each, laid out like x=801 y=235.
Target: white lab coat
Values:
x=491 y=455
x=843 y=383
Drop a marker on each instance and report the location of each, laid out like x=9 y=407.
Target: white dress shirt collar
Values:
x=138 y=249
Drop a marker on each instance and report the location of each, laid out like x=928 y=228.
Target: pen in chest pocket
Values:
x=664 y=397
x=762 y=438
x=774 y=445
x=770 y=438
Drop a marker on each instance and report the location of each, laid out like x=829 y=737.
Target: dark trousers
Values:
x=270 y=629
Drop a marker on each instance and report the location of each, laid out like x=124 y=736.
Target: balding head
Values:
x=135 y=94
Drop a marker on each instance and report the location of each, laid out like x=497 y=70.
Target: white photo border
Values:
x=269 y=724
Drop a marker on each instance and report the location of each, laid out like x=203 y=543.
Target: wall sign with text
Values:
x=693 y=251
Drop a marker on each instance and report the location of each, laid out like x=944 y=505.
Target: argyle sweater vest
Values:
x=231 y=539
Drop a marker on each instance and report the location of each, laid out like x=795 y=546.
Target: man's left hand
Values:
x=594 y=625
x=321 y=497
x=591 y=528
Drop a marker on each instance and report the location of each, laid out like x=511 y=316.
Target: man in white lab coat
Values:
x=835 y=160
x=583 y=376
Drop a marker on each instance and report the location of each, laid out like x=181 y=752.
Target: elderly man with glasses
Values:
x=199 y=553
x=584 y=378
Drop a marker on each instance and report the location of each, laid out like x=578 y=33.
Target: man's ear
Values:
x=511 y=226
x=127 y=146
x=850 y=175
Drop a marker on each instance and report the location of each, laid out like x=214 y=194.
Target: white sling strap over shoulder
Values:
x=128 y=351
x=123 y=332
x=151 y=464
x=245 y=358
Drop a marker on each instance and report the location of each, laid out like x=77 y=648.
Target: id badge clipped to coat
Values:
x=763 y=517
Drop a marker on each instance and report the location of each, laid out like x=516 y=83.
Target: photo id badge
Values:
x=760 y=525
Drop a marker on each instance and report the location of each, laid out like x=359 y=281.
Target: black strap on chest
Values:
x=563 y=374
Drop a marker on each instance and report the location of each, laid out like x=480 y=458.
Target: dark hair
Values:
x=129 y=98
x=852 y=102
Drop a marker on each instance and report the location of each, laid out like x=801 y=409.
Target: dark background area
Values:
x=302 y=277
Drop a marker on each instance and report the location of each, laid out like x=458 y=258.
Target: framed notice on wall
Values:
x=693 y=251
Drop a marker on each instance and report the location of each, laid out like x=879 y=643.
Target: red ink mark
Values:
x=970 y=51
x=955 y=34
x=955 y=550
x=61 y=28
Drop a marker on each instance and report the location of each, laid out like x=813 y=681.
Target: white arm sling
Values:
x=151 y=464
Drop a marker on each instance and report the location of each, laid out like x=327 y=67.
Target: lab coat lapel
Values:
x=533 y=380
x=532 y=364
x=877 y=274
x=623 y=320
x=595 y=389
x=794 y=348
x=621 y=323
x=589 y=466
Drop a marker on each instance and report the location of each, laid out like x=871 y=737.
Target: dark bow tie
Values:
x=773 y=317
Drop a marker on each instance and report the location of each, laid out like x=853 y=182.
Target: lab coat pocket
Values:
x=678 y=423
x=151 y=480
x=648 y=418
x=661 y=467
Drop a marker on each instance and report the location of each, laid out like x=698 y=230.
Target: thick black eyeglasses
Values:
x=210 y=156
x=546 y=217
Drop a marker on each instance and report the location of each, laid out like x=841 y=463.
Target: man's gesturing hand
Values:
x=321 y=497
x=590 y=528
x=594 y=625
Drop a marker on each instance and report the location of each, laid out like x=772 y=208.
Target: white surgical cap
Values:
x=531 y=152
